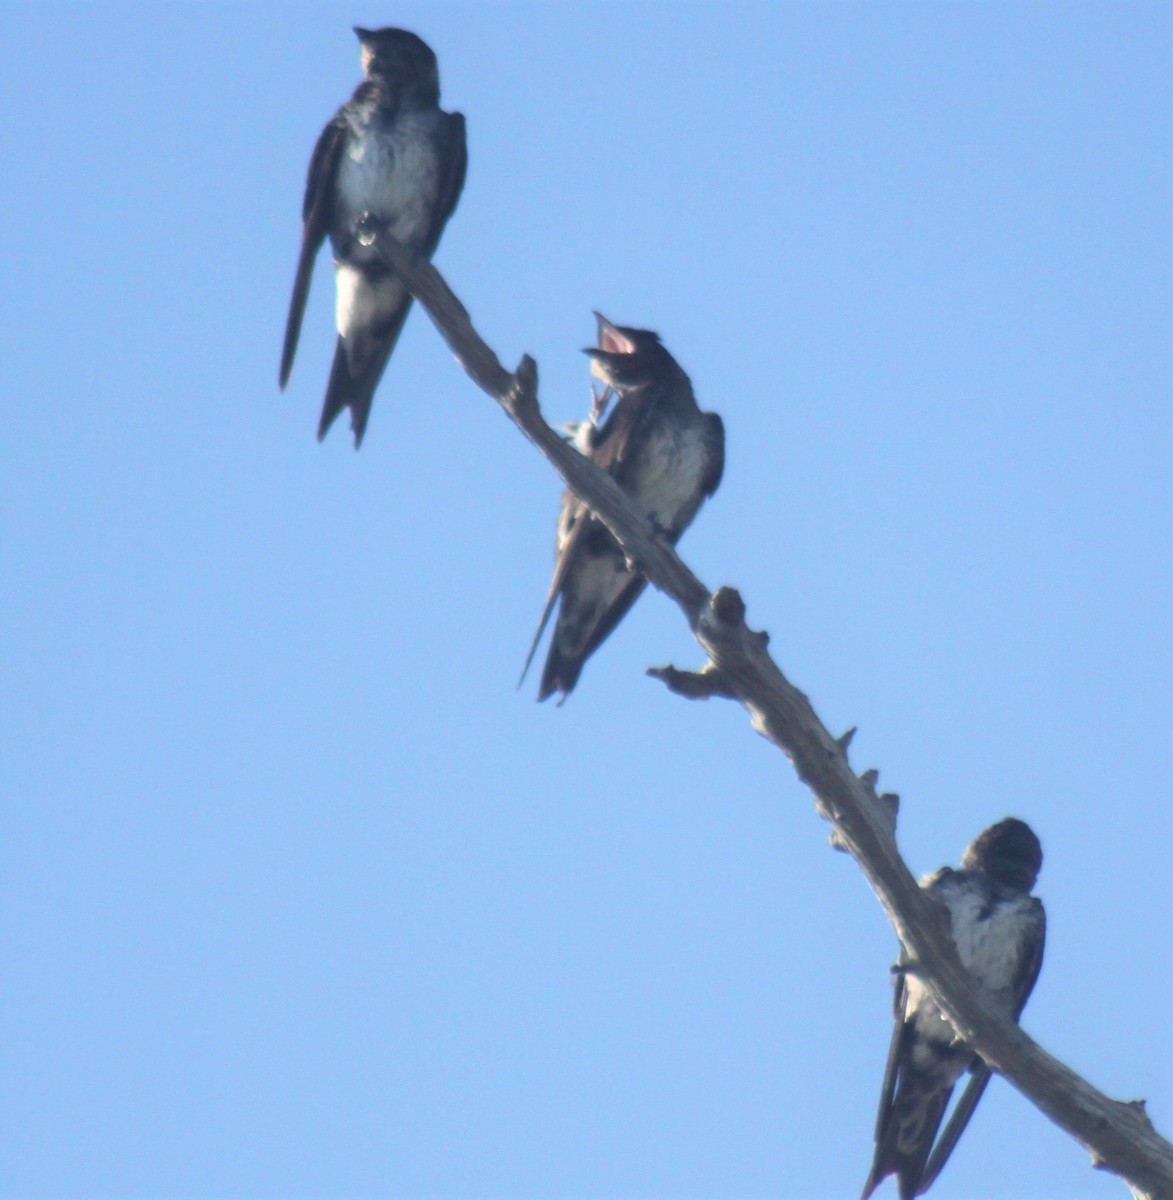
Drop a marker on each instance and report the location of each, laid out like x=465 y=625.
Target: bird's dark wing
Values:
x=896 y=1050
x=597 y=593
x=586 y=538
x=715 y=436
x=955 y=1127
x=1025 y=978
x=456 y=160
x=574 y=518
x=1032 y=963
x=606 y=452
x=619 y=607
x=895 y=1053
x=533 y=646
x=316 y=211
x=912 y=1104
x=620 y=430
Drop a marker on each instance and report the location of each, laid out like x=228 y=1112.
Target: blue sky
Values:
x=300 y=897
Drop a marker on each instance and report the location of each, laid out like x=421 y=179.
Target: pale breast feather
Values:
x=671 y=470
x=393 y=175
x=988 y=931
x=362 y=303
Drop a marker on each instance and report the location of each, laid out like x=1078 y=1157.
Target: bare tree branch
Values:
x=694 y=685
x=1118 y=1135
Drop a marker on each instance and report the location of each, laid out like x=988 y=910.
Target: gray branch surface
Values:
x=1118 y=1135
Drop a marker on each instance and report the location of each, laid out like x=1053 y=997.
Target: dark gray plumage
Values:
x=999 y=929
x=390 y=151
x=665 y=454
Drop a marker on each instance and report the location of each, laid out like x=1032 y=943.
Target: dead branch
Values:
x=1118 y=1135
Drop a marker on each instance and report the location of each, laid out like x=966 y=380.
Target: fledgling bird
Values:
x=664 y=453
x=392 y=152
x=999 y=929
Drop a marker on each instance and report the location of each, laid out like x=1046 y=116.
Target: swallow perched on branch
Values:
x=999 y=929
x=664 y=453
x=392 y=152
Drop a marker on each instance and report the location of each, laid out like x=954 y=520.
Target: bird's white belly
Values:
x=673 y=467
x=393 y=176
x=987 y=948
x=361 y=302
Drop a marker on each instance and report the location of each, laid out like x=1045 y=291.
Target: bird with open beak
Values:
x=665 y=453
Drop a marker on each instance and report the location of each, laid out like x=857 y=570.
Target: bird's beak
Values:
x=610 y=338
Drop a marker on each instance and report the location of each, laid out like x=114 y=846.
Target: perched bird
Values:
x=999 y=929
x=392 y=152
x=664 y=453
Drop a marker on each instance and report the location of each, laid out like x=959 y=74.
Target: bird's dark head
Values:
x=399 y=56
x=626 y=357
x=1009 y=851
